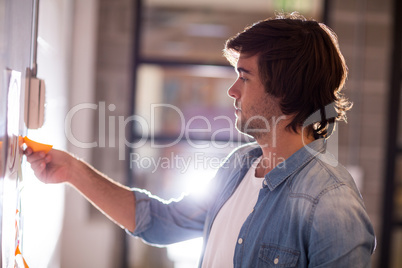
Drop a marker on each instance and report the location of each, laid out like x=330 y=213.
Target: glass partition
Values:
x=195 y=31
x=189 y=102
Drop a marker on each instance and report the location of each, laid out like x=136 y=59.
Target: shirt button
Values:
x=265 y=183
x=240 y=241
x=276 y=260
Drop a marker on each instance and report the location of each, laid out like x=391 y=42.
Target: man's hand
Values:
x=110 y=197
x=53 y=167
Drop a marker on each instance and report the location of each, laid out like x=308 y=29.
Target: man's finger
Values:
x=48 y=158
x=33 y=157
x=28 y=151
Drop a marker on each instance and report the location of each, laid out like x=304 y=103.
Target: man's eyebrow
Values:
x=243 y=70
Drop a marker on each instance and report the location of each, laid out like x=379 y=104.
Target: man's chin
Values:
x=240 y=127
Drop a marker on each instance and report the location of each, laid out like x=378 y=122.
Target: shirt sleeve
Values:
x=161 y=222
x=341 y=234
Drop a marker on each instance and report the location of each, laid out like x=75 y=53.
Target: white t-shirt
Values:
x=226 y=227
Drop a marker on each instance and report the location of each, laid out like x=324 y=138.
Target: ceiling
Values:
x=312 y=7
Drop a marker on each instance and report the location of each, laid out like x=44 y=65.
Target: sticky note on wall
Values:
x=36 y=146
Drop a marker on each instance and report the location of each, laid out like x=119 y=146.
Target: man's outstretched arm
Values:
x=113 y=199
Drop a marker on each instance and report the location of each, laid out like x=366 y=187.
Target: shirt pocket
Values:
x=271 y=255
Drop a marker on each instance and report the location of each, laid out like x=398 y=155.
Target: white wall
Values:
x=43 y=205
x=59 y=231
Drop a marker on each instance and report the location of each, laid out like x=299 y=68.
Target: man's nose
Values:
x=233 y=91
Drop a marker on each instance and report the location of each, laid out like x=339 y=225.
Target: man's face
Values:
x=256 y=110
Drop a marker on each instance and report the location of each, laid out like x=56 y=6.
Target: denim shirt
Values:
x=309 y=213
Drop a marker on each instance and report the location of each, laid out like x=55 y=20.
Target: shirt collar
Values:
x=282 y=171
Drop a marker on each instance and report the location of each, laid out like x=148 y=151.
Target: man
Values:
x=303 y=210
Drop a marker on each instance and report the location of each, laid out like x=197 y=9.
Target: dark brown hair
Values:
x=299 y=62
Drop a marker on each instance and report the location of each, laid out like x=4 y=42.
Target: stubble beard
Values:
x=251 y=128
x=261 y=123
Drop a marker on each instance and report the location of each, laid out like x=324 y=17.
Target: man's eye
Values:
x=243 y=78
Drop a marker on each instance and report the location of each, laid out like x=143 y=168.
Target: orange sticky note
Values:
x=18 y=252
x=36 y=146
